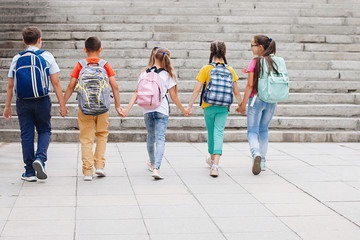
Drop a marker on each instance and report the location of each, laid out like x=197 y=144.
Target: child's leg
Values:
x=27 y=128
x=161 y=122
x=209 y=121
x=87 y=132
x=267 y=115
x=43 y=127
x=253 y=122
x=101 y=123
x=219 y=126
x=150 y=140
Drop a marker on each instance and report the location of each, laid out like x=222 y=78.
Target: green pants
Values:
x=215 y=119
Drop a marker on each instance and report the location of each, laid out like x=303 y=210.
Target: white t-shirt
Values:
x=167 y=83
x=49 y=58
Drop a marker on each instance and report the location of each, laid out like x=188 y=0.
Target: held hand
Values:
x=187 y=113
x=190 y=110
x=241 y=109
x=7 y=113
x=244 y=70
x=120 y=111
x=64 y=110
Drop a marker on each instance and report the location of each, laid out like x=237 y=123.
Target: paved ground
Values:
x=310 y=191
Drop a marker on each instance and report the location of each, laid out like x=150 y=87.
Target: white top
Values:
x=49 y=58
x=167 y=83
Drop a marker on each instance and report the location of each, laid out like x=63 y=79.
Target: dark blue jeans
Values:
x=34 y=113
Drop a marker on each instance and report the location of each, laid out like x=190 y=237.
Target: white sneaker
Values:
x=28 y=178
x=156 y=174
x=88 y=178
x=100 y=172
x=209 y=161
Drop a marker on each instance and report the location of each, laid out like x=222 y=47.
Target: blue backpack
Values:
x=274 y=87
x=31 y=75
x=219 y=91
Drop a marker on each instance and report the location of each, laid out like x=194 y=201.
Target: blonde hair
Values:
x=162 y=54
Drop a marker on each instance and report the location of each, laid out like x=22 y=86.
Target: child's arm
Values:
x=194 y=95
x=116 y=93
x=175 y=99
x=236 y=92
x=131 y=103
x=70 y=89
x=58 y=91
x=9 y=94
x=248 y=90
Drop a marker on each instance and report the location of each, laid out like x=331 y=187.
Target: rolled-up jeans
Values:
x=156 y=124
x=258 y=120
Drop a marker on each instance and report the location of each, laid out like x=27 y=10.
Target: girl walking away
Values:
x=265 y=72
x=155 y=81
x=218 y=81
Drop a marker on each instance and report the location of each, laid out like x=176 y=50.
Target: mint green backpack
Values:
x=273 y=88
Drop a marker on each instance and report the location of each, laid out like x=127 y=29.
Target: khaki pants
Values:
x=91 y=126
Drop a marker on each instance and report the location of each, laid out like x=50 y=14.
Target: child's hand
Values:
x=190 y=110
x=244 y=70
x=187 y=113
x=64 y=110
x=120 y=111
x=241 y=109
x=7 y=113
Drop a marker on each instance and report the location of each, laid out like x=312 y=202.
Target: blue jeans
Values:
x=156 y=124
x=34 y=113
x=258 y=120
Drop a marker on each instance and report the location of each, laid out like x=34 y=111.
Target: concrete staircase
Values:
x=320 y=40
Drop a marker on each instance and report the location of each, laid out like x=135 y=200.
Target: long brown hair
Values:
x=217 y=49
x=162 y=54
x=269 y=48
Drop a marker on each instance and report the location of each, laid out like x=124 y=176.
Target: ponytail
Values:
x=217 y=49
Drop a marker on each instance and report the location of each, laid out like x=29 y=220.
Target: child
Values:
x=33 y=104
x=93 y=115
x=216 y=105
x=156 y=120
x=259 y=113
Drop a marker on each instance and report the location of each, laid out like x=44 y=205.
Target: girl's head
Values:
x=162 y=56
x=263 y=47
x=218 y=50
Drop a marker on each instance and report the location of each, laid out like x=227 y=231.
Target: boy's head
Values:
x=31 y=35
x=92 y=45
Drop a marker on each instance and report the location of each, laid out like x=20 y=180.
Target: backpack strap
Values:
x=83 y=63
x=102 y=63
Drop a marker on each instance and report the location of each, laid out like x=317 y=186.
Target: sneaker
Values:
x=209 y=161
x=150 y=166
x=88 y=178
x=100 y=172
x=256 y=168
x=214 y=172
x=28 y=178
x=156 y=174
x=40 y=170
x=263 y=166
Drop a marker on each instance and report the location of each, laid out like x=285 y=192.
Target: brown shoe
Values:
x=214 y=172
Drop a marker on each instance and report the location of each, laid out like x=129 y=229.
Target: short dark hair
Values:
x=92 y=44
x=31 y=35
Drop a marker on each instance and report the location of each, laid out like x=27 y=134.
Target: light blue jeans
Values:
x=156 y=124
x=258 y=120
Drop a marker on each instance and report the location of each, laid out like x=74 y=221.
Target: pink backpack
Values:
x=149 y=95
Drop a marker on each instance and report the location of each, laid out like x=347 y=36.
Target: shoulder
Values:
x=48 y=56
x=207 y=67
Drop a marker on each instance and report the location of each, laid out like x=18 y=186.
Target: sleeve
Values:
x=76 y=71
x=252 y=64
x=235 y=76
x=53 y=67
x=109 y=70
x=203 y=75
x=12 y=66
x=172 y=83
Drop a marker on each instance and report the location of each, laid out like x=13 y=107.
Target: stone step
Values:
x=291 y=110
x=13 y=135
x=116 y=123
x=193 y=54
x=294 y=98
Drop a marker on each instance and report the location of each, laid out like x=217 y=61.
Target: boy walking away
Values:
x=30 y=73
x=92 y=78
